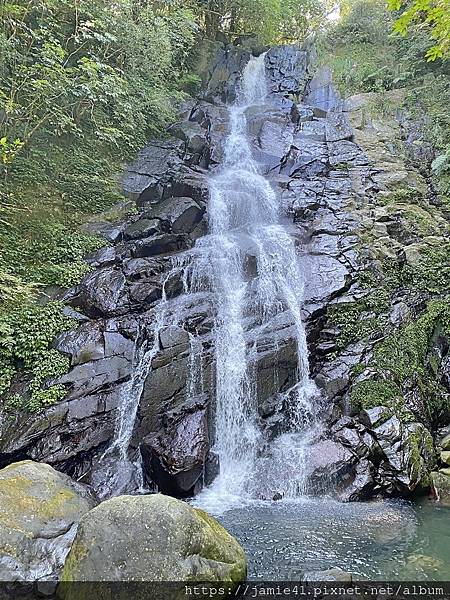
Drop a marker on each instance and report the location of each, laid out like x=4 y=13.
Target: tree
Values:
x=433 y=14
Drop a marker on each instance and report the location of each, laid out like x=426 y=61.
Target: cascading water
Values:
x=244 y=220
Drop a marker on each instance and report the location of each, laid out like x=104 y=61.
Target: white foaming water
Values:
x=244 y=217
x=244 y=221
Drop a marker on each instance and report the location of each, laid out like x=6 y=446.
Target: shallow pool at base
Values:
x=392 y=539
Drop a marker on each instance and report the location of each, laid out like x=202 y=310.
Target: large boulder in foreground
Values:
x=40 y=510
x=152 y=538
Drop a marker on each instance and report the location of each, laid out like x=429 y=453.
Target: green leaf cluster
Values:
x=432 y=15
x=27 y=331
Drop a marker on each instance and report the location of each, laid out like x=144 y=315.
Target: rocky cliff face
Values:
x=365 y=224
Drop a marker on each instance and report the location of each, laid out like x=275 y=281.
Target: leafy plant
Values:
x=434 y=14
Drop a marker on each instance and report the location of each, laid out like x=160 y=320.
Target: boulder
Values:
x=142 y=228
x=144 y=178
x=165 y=243
x=321 y=92
x=331 y=466
x=226 y=73
x=174 y=457
x=408 y=456
x=38 y=520
x=180 y=214
x=153 y=539
x=192 y=134
x=287 y=69
x=440 y=486
x=101 y=293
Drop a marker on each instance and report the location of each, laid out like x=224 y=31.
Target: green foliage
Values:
x=364 y=55
x=403 y=358
x=375 y=392
x=440 y=168
x=27 y=331
x=90 y=67
x=433 y=14
x=272 y=21
x=403 y=354
x=357 y=320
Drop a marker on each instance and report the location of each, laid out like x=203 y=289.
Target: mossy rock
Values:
x=440 y=487
x=40 y=511
x=153 y=539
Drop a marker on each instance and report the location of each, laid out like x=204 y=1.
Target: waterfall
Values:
x=245 y=218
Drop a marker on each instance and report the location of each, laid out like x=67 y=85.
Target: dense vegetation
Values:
x=368 y=52
x=83 y=84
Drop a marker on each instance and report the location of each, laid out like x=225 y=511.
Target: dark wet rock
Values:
x=337 y=127
x=104 y=257
x=344 y=151
x=188 y=184
x=212 y=468
x=180 y=214
x=144 y=178
x=84 y=344
x=40 y=512
x=142 y=228
x=162 y=539
x=101 y=293
x=226 y=73
x=145 y=292
x=287 y=68
x=331 y=466
x=335 y=376
x=409 y=456
x=166 y=243
x=313 y=130
x=327 y=277
x=372 y=417
x=306 y=158
x=174 y=457
x=362 y=485
x=192 y=134
x=112 y=232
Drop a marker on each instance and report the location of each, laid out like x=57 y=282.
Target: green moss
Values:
x=402 y=359
x=27 y=335
x=370 y=393
x=407 y=195
x=357 y=320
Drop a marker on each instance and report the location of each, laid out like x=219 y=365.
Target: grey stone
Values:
x=142 y=228
x=40 y=512
x=101 y=293
x=321 y=92
x=174 y=457
x=155 y=538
